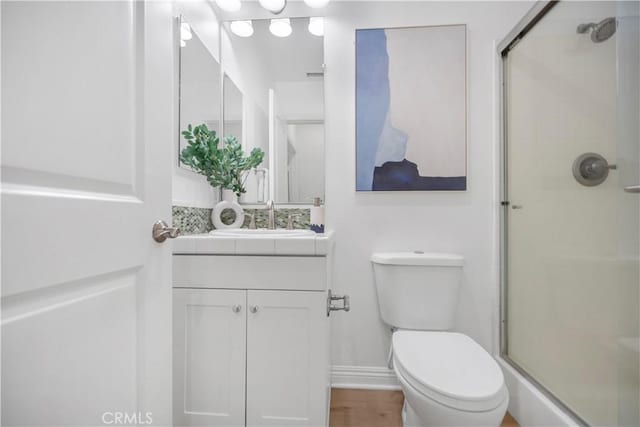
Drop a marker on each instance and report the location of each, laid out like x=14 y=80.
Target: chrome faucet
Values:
x=271 y=225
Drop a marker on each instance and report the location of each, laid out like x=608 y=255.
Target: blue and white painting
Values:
x=411 y=109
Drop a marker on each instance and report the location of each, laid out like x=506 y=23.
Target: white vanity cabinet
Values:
x=287 y=363
x=251 y=340
x=209 y=357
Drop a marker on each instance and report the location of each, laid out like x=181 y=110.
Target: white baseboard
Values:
x=364 y=377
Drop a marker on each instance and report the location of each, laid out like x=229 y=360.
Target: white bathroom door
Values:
x=87 y=128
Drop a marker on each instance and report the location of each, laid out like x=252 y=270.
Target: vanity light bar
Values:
x=273 y=6
x=316 y=26
x=185 y=32
x=242 y=28
x=281 y=27
x=229 y=5
x=316 y=4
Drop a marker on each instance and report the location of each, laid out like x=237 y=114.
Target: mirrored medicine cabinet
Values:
x=268 y=92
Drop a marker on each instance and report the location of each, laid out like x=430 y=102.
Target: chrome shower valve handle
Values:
x=591 y=169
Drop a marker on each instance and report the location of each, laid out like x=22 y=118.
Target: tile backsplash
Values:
x=191 y=220
x=198 y=220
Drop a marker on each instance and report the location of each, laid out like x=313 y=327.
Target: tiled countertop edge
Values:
x=207 y=244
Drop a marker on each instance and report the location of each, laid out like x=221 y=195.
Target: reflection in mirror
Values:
x=304 y=162
x=232 y=114
x=199 y=86
x=280 y=84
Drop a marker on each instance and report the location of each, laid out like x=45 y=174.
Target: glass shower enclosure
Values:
x=571 y=206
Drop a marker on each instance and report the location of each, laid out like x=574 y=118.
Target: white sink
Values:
x=261 y=232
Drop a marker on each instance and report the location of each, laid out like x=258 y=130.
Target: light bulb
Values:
x=316 y=26
x=185 y=31
x=273 y=6
x=280 y=27
x=316 y=4
x=229 y=5
x=183 y=43
x=242 y=28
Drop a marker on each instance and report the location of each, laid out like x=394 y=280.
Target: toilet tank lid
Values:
x=417 y=258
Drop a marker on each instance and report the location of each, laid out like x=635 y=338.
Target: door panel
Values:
x=71 y=140
x=286 y=359
x=88 y=73
x=209 y=357
x=87 y=114
x=48 y=327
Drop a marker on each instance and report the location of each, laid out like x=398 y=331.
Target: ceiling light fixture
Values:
x=316 y=4
x=273 y=6
x=280 y=27
x=316 y=26
x=185 y=31
x=229 y=5
x=242 y=28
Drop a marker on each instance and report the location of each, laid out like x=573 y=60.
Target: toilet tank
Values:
x=418 y=290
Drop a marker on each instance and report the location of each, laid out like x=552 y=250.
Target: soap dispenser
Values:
x=317 y=216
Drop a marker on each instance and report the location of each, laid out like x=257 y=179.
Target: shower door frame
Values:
x=528 y=22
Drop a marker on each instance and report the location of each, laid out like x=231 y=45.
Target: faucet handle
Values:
x=252 y=221
x=290 y=222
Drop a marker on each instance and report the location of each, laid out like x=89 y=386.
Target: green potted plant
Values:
x=223 y=166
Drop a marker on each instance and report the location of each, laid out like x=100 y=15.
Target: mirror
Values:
x=199 y=85
x=232 y=113
x=274 y=86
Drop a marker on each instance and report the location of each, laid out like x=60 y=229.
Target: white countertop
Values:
x=315 y=245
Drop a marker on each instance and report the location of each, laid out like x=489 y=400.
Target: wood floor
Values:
x=369 y=408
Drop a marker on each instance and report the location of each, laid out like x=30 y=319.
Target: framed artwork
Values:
x=411 y=109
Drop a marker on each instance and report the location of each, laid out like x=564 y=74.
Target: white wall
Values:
x=301 y=100
x=463 y=223
x=189 y=188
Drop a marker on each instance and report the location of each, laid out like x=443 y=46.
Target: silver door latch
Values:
x=161 y=231
x=331 y=298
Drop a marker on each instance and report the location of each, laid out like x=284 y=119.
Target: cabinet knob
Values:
x=253 y=309
x=236 y=308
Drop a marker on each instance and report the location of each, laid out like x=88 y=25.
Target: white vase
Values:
x=229 y=201
x=229 y=196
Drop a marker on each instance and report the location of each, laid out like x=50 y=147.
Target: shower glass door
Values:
x=571 y=291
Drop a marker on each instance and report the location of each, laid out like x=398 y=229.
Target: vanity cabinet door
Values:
x=287 y=358
x=209 y=357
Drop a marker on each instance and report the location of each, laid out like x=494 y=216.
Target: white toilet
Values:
x=447 y=378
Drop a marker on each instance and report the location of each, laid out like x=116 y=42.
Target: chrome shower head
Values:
x=601 y=31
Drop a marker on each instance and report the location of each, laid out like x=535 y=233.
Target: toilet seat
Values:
x=449 y=368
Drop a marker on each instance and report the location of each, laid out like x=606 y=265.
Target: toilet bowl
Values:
x=447 y=380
